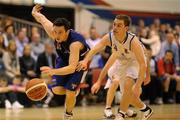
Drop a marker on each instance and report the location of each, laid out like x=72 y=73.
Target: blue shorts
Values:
x=70 y=81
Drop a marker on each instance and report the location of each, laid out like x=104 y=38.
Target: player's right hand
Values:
x=44 y=68
x=95 y=88
x=82 y=65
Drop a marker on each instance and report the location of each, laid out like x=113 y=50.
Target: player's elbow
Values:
x=72 y=69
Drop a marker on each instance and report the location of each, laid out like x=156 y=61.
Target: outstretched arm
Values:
x=103 y=73
x=73 y=61
x=140 y=56
x=98 y=48
x=47 y=25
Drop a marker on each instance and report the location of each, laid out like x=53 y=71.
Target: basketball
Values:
x=36 y=89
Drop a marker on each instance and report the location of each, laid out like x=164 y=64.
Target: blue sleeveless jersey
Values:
x=63 y=48
x=70 y=81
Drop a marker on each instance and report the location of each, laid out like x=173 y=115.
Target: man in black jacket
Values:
x=47 y=58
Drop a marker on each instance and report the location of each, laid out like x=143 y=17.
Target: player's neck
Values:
x=67 y=35
x=121 y=38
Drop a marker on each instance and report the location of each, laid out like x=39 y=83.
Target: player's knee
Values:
x=70 y=94
x=58 y=91
x=128 y=86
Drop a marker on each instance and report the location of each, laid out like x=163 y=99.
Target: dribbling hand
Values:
x=46 y=70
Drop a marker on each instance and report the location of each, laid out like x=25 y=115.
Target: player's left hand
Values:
x=95 y=88
x=147 y=80
x=137 y=90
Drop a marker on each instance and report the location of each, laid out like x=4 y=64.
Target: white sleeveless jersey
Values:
x=124 y=49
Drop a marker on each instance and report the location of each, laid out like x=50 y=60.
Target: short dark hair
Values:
x=125 y=18
x=62 y=22
x=3 y=77
x=169 y=51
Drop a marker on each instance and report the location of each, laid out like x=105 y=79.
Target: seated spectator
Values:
x=2 y=50
x=47 y=58
x=21 y=41
x=153 y=92
x=24 y=29
x=170 y=44
x=11 y=61
x=167 y=73
x=7 y=95
x=27 y=63
x=2 y=43
x=8 y=35
x=37 y=46
x=154 y=42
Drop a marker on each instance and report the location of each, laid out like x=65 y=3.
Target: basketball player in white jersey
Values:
x=128 y=65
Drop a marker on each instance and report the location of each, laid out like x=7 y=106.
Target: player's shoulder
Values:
x=132 y=35
x=74 y=35
x=107 y=38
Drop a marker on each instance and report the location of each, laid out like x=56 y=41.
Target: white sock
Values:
x=144 y=106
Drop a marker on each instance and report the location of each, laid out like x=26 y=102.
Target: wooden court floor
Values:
x=162 y=112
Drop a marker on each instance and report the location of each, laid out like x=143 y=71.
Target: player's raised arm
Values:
x=99 y=47
x=47 y=25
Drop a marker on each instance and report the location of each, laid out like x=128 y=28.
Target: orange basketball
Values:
x=36 y=89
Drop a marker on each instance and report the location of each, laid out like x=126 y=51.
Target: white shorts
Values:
x=120 y=72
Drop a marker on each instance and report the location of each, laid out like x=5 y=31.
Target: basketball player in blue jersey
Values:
x=71 y=48
x=127 y=66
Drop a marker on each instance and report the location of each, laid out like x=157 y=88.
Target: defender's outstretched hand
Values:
x=95 y=88
x=82 y=65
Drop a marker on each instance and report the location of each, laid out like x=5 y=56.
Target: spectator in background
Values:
x=27 y=63
x=153 y=92
x=162 y=32
x=177 y=29
x=34 y=30
x=141 y=27
x=2 y=43
x=1 y=22
x=21 y=41
x=154 y=42
x=167 y=73
x=47 y=58
x=8 y=21
x=157 y=24
x=170 y=44
x=8 y=96
x=177 y=34
x=37 y=46
x=8 y=34
x=24 y=29
x=2 y=50
x=11 y=61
